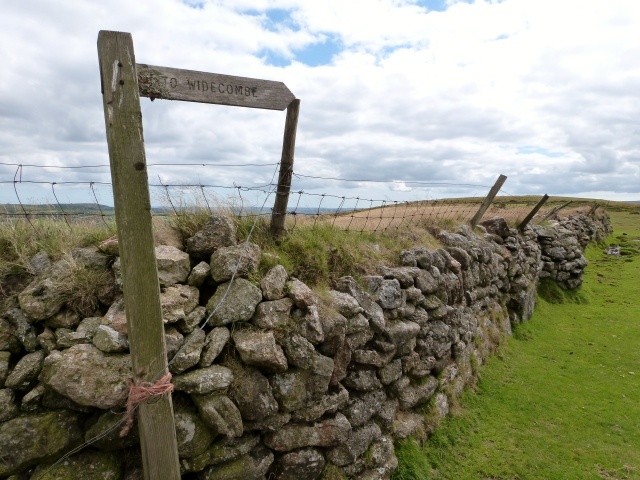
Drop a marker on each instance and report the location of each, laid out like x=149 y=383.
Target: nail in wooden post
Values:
x=487 y=201
x=279 y=214
x=528 y=218
x=123 y=119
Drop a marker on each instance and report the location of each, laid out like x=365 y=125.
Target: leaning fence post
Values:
x=528 y=218
x=141 y=289
x=593 y=209
x=279 y=214
x=556 y=210
x=487 y=201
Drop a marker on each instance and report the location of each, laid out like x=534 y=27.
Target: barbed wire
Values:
x=348 y=212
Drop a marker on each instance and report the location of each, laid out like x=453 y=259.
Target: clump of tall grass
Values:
x=21 y=239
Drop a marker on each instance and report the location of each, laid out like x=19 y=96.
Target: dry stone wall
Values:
x=282 y=382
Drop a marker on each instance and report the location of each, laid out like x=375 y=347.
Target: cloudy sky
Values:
x=422 y=98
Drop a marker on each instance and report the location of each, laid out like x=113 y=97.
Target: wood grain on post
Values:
x=487 y=201
x=538 y=206
x=202 y=87
x=123 y=119
x=279 y=214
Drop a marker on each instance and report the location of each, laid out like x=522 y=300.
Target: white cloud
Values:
x=542 y=91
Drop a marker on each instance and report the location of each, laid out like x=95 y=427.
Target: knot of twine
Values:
x=141 y=393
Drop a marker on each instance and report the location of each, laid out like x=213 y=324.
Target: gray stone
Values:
x=33 y=398
x=220 y=451
x=363 y=406
x=173 y=265
x=329 y=403
x=65 y=318
x=322 y=434
x=189 y=354
x=259 y=349
x=357 y=443
x=290 y=389
x=192 y=434
x=302 y=296
x=403 y=335
x=426 y=282
x=191 y=321
x=252 y=395
x=85 y=465
x=373 y=357
x=105 y=433
x=5 y=359
x=219 y=231
x=72 y=373
x=56 y=432
x=177 y=302
x=391 y=372
x=66 y=338
x=8 y=405
x=306 y=463
x=215 y=378
x=272 y=423
x=39 y=263
x=116 y=317
x=410 y=394
x=173 y=341
x=299 y=351
x=253 y=466
x=24 y=375
x=387 y=413
x=214 y=342
x=372 y=310
x=362 y=379
x=199 y=274
x=240 y=301
x=345 y=304
x=357 y=324
x=220 y=414
x=110 y=246
x=386 y=292
x=307 y=323
x=241 y=260
x=272 y=314
x=110 y=341
x=91 y=257
x=22 y=329
x=272 y=284
x=9 y=342
x=42 y=298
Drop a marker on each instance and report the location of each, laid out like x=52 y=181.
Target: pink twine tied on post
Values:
x=141 y=393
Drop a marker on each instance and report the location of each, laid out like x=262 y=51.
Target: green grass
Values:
x=561 y=400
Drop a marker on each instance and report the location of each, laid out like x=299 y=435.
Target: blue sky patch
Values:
x=528 y=149
x=319 y=53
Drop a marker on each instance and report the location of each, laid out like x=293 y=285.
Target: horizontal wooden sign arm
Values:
x=201 y=87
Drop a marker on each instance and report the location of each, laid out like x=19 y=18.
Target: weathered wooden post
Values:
x=528 y=218
x=556 y=210
x=123 y=120
x=593 y=209
x=279 y=214
x=487 y=201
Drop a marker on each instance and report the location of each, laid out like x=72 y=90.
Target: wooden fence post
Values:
x=556 y=210
x=528 y=218
x=123 y=119
x=593 y=209
x=487 y=201
x=279 y=214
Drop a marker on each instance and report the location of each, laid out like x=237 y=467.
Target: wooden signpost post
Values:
x=123 y=82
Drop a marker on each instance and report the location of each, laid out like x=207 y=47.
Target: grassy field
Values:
x=561 y=400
